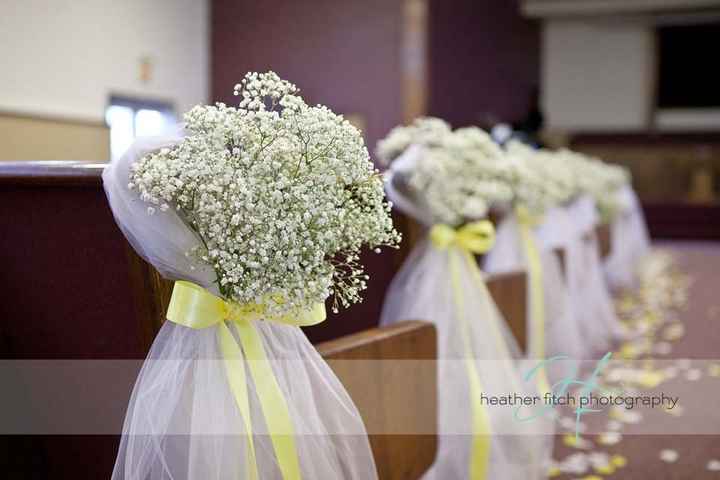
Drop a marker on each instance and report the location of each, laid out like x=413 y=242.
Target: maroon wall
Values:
x=484 y=61
x=342 y=53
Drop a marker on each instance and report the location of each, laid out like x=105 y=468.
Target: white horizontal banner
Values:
x=669 y=397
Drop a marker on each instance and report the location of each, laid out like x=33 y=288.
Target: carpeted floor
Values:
x=695 y=455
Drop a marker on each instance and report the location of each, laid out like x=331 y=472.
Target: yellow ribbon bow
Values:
x=525 y=217
x=476 y=237
x=194 y=307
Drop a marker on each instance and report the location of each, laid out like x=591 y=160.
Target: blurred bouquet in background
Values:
x=458 y=175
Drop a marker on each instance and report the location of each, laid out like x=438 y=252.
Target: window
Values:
x=129 y=118
x=687 y=78
x=688 y=94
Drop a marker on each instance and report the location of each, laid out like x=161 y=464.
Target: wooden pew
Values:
x=602 y=232
x=603 y=235
x=509 y=291
x=395 y=398
x=77 y=290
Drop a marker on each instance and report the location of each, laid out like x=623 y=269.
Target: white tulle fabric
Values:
x=561 y=330
x=572 y=228
x=182 y=421
x=422 y=290
x=629 y=242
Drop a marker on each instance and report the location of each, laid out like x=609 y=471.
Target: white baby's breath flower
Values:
x=282 y=194
x=459 y=175
x=426 y=131
x=557 y=177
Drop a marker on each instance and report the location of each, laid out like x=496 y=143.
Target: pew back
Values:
x=509 y=291
x=391 y=376
x=79 y=291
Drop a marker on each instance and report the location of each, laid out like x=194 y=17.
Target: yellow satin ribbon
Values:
x=476 y=237
x=536 y=293
x=194 y=307
x=473 y=238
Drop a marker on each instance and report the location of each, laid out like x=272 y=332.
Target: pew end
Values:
x=395 y=398
x=604 y=239
x=509 y=291
x=604 y=245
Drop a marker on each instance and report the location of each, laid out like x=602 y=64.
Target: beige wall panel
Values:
x=34 y=138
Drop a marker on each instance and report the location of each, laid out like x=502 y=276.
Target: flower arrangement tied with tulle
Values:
x=458 y=174
x=282 y=195
x=599 y=179
x=559 y=176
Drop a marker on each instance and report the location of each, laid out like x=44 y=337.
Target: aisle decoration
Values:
x=610 y=186
x=448 y=181
x=259 y=213
x=629 y=241
x=570 y=226
x=537 y=189
x=601 y=180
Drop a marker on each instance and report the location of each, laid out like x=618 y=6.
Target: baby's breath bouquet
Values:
x=426 y=131
x=259 y=213
x=458 y=175
x=601 y=180
x=565 y=174
x=283 y=196
x=547 y=175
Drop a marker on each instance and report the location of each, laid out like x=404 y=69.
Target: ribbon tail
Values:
x=235 y=370
x=480 y=450
x=537 y=303
x=272 y=401
x=507 y=361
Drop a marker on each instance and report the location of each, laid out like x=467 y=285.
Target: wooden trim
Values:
x=559 y=8
x=414 y=59
x=46 y=117
x=643 y=139
x=358 y=341
x=51 y=173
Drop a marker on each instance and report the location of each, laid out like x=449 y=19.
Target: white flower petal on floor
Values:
x=609 y=438
x=669 y=455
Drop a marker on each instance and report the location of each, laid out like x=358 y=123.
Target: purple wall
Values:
x=341 y=53
x=485 y=61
